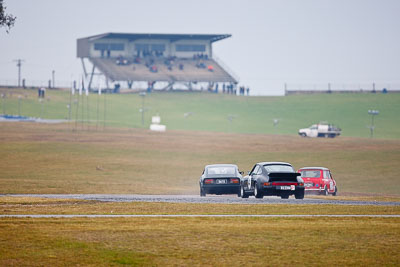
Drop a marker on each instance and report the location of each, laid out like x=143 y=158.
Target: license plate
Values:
x=286 y=187
x=308 y=184
x=221 y=181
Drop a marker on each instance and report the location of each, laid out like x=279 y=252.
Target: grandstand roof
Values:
x=171 y=37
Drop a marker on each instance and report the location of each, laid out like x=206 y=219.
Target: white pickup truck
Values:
x=320 y=130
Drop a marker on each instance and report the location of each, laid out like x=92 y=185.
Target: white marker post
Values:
x=72 y=92
x=98 y=97
x=77 y=105
x=83 y=103
x=87 y=108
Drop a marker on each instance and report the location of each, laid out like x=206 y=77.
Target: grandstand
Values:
x=167 y=59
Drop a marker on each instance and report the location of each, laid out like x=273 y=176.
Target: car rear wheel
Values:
x=335 y=193
x=299 y=194
x=202 y=192
x=257 y=193
x=303 y=135
x=243 y=193
x=325 y=192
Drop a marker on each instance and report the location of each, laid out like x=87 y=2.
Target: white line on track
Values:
x=224 y=199
x=195 y=215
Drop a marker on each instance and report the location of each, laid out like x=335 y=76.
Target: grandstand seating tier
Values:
x=139 y=72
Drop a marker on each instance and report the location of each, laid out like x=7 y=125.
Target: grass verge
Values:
x=53 y=159
x=200 y=241
x=29 y=205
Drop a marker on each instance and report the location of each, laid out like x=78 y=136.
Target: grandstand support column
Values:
x=210 y=86
x=107 y=84
x=130 y=84
x=84 y=67
x=91 y=77
x=168 y=87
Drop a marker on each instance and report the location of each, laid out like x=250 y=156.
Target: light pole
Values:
x=53 y=78
x=373 y=113
x=142 y=94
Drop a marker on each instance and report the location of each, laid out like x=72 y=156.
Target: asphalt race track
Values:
x=223 y=199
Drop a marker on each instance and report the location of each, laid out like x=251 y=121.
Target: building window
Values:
x=158 y=47
x=190 y=48
x=150 y=47
x=142 y=47
x=109 y=46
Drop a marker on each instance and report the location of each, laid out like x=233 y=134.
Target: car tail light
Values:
x=208 y=181
x=284 y=183
x=235 y=181
x=301 y=184
x=267 y=184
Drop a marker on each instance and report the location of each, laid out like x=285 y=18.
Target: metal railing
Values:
x=342 y=87
x=35 y=83
x=226 y=68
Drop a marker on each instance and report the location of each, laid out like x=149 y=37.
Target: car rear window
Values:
x=311 y=173
x=278 y=168
x=221 y=170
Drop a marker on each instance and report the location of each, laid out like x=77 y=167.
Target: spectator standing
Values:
x=41 y=92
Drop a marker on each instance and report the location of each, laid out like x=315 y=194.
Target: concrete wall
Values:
x=150 y=42
x=113 y=54
x=86 y=48
x=83 y=48
x=188 y=54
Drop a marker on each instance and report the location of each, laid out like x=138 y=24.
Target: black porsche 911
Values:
x=272 y=179
x=220 y=179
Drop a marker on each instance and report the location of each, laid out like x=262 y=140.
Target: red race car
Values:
x=318 y=180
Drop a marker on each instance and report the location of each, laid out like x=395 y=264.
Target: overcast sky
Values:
x=273 y=42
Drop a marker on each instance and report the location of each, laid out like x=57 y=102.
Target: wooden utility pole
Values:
x=19 y=64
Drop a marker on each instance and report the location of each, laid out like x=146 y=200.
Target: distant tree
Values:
x=6 y=20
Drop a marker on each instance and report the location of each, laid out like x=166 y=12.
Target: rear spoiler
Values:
x=283 y=176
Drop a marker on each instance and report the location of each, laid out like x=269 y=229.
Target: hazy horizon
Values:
x=273 y=42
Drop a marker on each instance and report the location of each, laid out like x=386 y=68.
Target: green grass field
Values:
x=124 y=158
x=211 y=112
x=200 y=242
x=194 y=241
x=41 y=158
